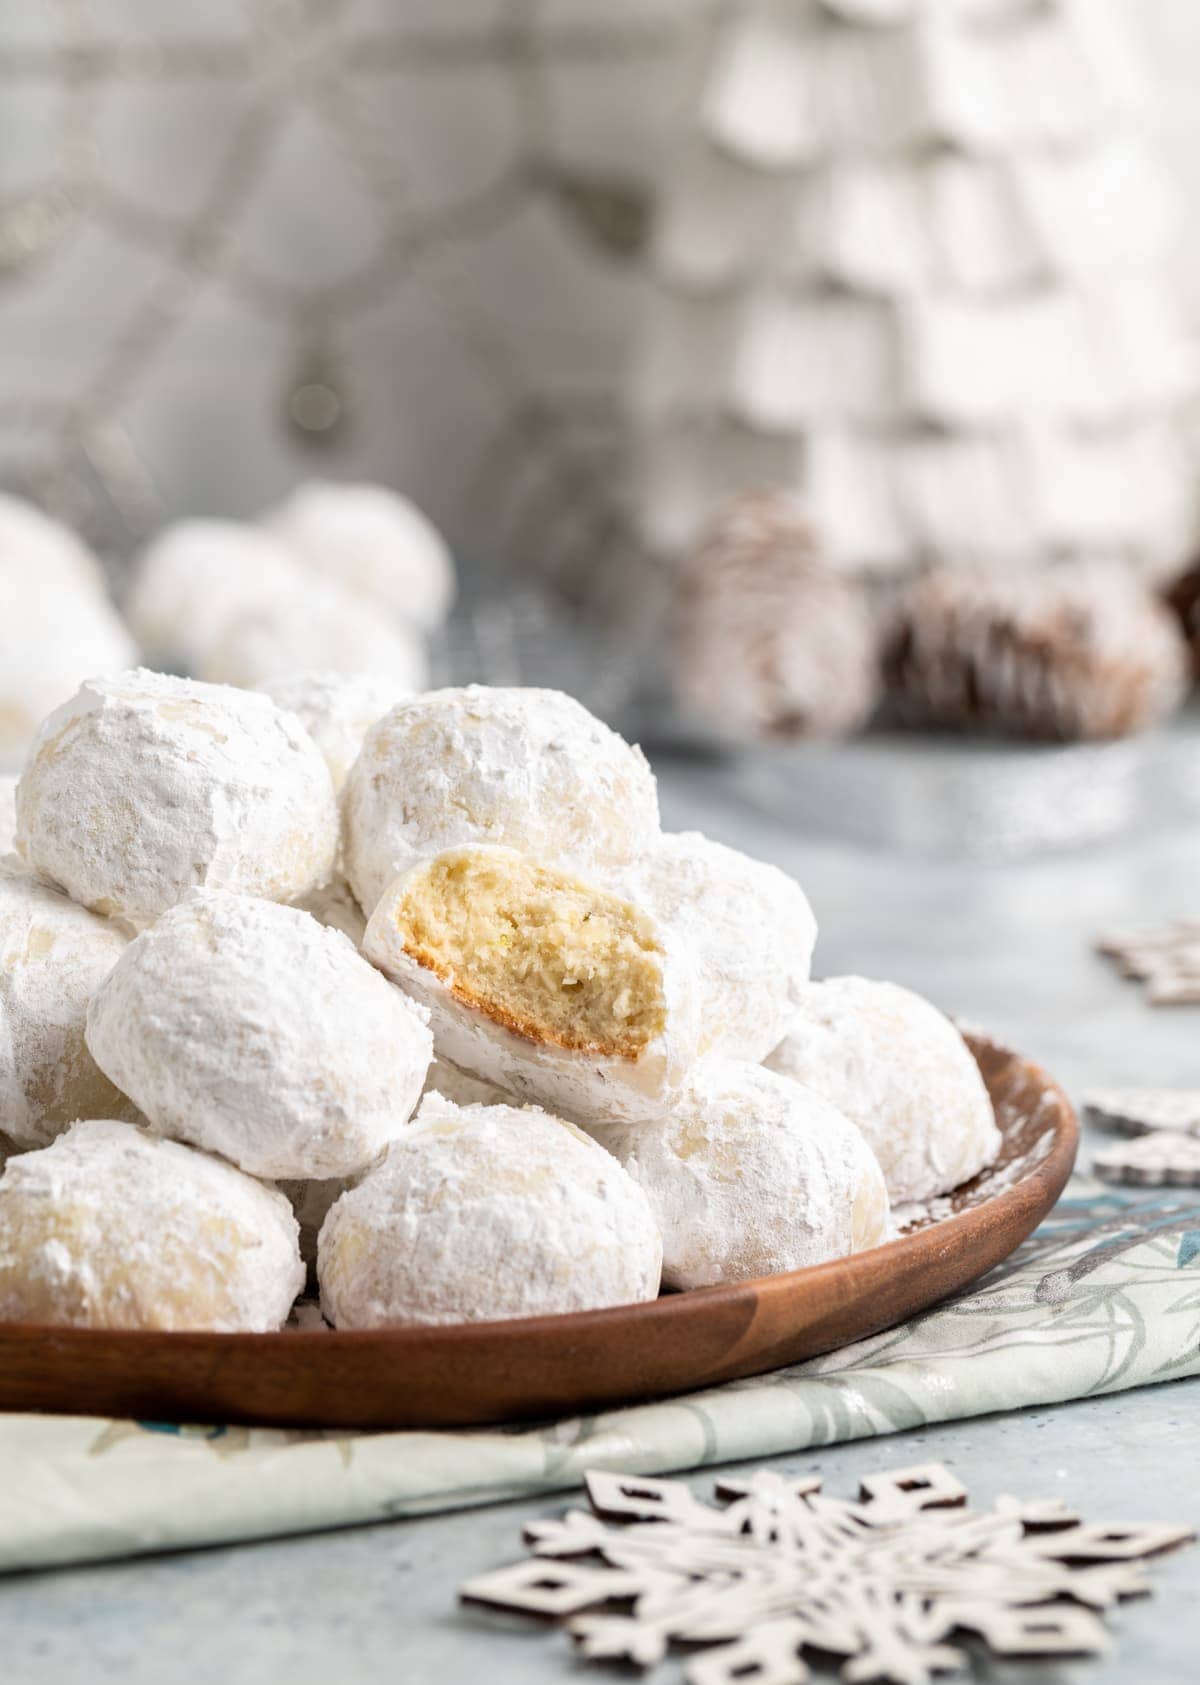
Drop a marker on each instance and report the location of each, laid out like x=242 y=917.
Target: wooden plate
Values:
x=559 y=1365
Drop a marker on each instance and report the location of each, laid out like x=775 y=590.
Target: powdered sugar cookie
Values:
x=54 y=632
x=195 y=576
x=372 y=541
x=749 y=926
x=898 y=1069
x=144 y=785
x=8 y=812
x=250 y=1030
x=53 y=957
x=529 y=769
x=320 y=626
x=478 y=1213
x=750 y=1174
x=35 y=545
x=553 y=988
x=112 y=1227
x=337 y=710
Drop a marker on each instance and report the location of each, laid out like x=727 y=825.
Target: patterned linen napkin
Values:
x=1104 y=1296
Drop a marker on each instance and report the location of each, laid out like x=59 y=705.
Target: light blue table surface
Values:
x=1004 y=946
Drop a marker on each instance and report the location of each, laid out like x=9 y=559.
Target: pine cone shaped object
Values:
x=1083 y=651
x=768 y=642
x=1183 y=599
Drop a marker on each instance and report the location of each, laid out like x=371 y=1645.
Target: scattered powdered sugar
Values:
x=306 y=1318
x=994 y=1179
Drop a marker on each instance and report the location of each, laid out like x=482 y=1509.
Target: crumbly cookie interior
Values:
x=547 y=955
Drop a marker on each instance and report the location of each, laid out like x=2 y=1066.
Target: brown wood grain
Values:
x=554 y=1365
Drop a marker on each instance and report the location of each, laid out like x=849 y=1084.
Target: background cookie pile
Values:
x=339 y=578
x=418 y=992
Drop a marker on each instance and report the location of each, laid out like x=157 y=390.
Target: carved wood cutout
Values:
x=778 y=1571
x=1164 y=1159
x=1141 y=1111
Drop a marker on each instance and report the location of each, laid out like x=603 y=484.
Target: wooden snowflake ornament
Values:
x=1162 y=1160
x=1167 y=961
x=778 y=1570
x=1144 y=1111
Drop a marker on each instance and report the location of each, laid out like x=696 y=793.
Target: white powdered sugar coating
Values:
x=333 y=905
x=462 y=1088
x=749 y=1174
x=196 y=576
x=8 y=812
x=901 y=1071
x=479 y=1213
x=318 y=626
x=144 y=786
x=35 y=545
x=372 y=541
x=112 y=1227
x=337 y=710
x=749 y=926
x=55 y=631
x=53 y=957
x=531 y=769
x=577 y=1084
x=250 y=1030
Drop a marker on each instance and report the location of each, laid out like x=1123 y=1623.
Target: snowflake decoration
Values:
x=1164 y=1159
x=1144 y=1111
x=1167 y=961
x=779 y=1569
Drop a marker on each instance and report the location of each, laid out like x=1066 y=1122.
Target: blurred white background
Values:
x=245 y=241
x=1169 y=34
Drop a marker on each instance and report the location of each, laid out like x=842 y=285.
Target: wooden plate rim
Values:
x=1031 y=1196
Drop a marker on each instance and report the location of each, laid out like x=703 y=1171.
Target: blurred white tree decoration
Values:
x=912 y=262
